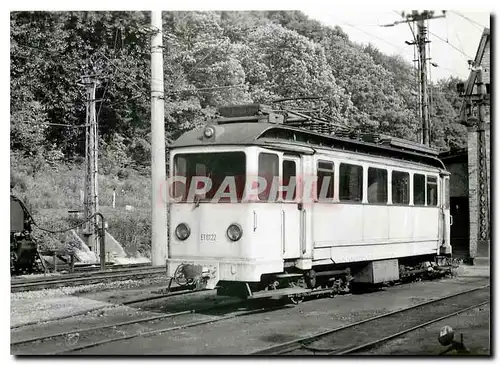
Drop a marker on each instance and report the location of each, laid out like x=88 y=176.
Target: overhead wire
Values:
x=57 y=124
x=450 y=44
x=186 y=74
x=206 y=89
x=468 y=19
x=123 y=72
x=459 y=41
x=374 y=36
x=198 y=64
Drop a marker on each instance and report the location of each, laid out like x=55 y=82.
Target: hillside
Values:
x=210 y=59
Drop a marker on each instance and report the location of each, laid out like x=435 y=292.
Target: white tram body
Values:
x=369 y=203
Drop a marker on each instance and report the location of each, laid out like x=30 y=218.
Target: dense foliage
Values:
x=210 y=59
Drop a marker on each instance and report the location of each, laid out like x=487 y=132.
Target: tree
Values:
x=446 y=130
x=281 y=63
x=211 y=59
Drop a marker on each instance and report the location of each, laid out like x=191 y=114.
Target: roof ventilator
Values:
x=248 y=113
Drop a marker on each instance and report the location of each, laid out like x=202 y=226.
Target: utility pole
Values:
x=420 y=41
x=159 y=239
x=91 y=201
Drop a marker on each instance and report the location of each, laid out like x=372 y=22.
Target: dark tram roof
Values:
x=255 y=125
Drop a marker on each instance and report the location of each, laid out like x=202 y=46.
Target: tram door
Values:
x=445 y=203
x=290 y=213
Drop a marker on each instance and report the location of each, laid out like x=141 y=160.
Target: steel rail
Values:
x=167 y=329
x=298 y=343
x=77 y=275
x=79 y=269
x=124 y=323
x=400 y=333
x=64 y=269
x=87 y=279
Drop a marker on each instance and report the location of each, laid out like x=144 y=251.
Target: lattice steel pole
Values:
x=483 y=196
x=91 y=199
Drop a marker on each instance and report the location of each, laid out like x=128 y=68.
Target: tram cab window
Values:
x=289 y=180
x=377 y=185
x=400 y=187
x=432 y=199
x=219 y=167
x=268 y=169
x=325 y=181
x=419 y=189
x=350 y=182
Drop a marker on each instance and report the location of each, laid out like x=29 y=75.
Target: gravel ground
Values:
x=43 y=305
x=155 y=280
x=241 y=335
x=245 y=335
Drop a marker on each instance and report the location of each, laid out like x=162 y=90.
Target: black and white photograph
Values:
x=309 y=181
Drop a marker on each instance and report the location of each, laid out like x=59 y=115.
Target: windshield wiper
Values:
x=196 y=201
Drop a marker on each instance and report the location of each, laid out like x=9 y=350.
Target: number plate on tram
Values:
x=208 y=237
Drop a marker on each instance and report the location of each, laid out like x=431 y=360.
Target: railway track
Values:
x=356 y=337
x=343 y=340
x=71 y=341
x=174 y=291
x=45 y=282
x=96 y=267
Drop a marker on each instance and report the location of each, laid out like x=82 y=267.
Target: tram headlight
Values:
x=209 y=132
x=182 y=231
x=234 y=232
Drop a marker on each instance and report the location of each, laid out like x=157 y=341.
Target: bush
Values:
x=132 y=229
x=49 y=191
x=58 y=186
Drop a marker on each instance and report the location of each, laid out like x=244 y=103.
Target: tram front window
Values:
x=219 y=175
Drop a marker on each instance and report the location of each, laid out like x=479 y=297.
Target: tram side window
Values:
x=289 y=180
x=377 y=185
x=400 y=187
x=432 y=190
x=350 y=182
x=268 y=169
x=418 y=189
x=324 y=184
